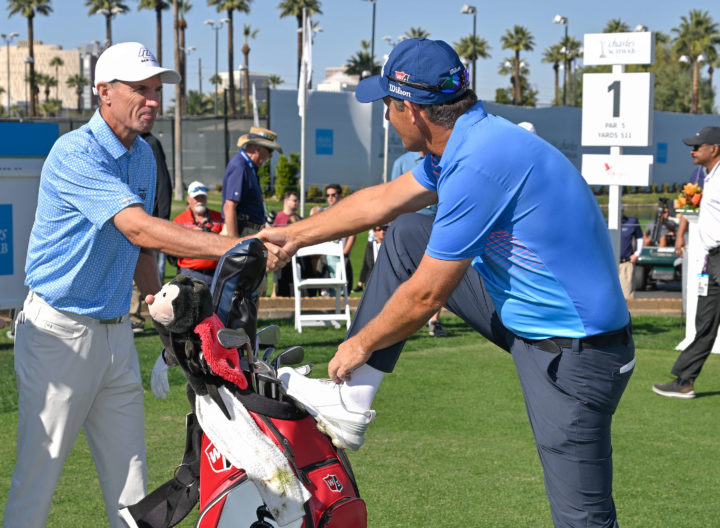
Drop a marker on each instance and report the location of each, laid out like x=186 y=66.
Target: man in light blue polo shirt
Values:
x=75 y=359
x=494 y=256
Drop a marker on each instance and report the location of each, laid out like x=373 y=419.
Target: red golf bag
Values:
x=227 y=498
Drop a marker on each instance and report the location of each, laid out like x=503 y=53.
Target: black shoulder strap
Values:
x=171 y=502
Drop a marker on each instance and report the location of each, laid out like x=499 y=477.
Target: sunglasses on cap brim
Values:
x=452 y=84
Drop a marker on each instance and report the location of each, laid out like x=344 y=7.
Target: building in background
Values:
x=259 y=79
x=336 y=80
x=77 y=61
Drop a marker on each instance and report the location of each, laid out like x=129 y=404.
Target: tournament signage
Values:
x=617 y=113
x=617 y=109
x=604 y=169
x=619 y=48
x=22 y=152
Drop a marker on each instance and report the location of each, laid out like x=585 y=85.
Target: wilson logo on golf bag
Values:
x=217 y=462
x=323 y=469
x=333 y=483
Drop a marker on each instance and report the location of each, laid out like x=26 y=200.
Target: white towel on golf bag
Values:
x=245 y=446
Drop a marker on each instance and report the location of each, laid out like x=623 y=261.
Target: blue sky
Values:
x=346 y=22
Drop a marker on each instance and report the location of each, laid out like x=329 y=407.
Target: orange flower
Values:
x=696 y=199
x=689 y=189
x=681 y=201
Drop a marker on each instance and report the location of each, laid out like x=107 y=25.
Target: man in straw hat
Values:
x=554 y=303
x=242 y=199
x=75 y=360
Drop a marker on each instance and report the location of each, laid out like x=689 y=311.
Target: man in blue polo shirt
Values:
x=75 y=359
x=243 y=207
x=493 y=256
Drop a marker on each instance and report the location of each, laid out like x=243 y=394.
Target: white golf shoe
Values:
x=321 y=398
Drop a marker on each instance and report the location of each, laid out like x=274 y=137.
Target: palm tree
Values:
x=78 y=82
x=527 y=95
x=158 y=6
x=517 y=39
x=361 y=63
x=183 y=7
x=466 y=50
x=295 y=8
x=231 y=6
x=57 y=62
x=696 y=35
x=470 y=51
x=713 y=61
x=248 y=32
x=28 y=9
x=50 y=107
x=273 y=81
x=616 y=25
x=216 y=80
x=107 y=8
x=417 y=32
x=199 y=104
x=555 y=55
x=48 y=81
x=572 y=50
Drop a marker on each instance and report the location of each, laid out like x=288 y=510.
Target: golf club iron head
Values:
x=290 y=356
x=267 y=336
x=269 y=351
x=230 y=338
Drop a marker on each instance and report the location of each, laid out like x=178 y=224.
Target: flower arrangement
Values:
x=689 y=198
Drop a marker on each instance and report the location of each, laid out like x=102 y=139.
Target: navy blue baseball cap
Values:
x=419 y=70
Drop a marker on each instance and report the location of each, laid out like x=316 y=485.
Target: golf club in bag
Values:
x=226 y=494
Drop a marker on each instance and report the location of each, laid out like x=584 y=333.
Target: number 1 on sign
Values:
x=615 y=88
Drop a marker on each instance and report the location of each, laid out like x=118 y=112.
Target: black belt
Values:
x=622 y=261
x=259 y=227
x=608 y=339
x=114 y=320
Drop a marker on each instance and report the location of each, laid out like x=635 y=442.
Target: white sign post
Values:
x=617 y=113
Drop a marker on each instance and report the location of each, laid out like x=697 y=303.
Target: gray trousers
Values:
x=570 y=393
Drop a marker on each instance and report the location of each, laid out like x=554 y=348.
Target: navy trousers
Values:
x=707 y=320
x=570 y=393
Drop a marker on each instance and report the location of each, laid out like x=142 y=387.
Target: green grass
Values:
x=451 y=445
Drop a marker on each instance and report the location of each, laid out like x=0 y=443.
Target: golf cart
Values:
x=658 y=261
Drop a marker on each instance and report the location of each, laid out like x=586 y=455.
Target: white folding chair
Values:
x=338 y=283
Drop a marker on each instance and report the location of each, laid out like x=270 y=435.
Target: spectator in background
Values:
x=631 y=244
x=288 y=215
x=403 y=164
x=333 y=194
x=374 y=247
x=661 y=232
x=198 y=216
x=705 y=151
x=243 y=206
x=282 y=278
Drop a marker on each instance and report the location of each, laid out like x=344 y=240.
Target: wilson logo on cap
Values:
x=399 y=91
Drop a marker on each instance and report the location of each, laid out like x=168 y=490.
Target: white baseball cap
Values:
x=130 y=61
x=196 y=189
x=527 y=125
